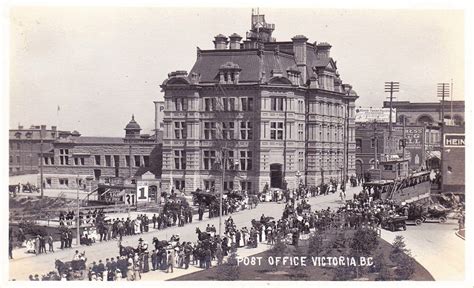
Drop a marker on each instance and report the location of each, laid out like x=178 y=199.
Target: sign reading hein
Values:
x=454 y=140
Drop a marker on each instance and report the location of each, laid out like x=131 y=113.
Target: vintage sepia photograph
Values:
x=159 y=143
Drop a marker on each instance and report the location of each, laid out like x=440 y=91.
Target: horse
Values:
x=202 y=235
x=126 y=250
x=75 y=265
x=159 y=244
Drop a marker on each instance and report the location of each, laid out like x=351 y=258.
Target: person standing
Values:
x=170 y=260
x=207 y=258
x=49 y=239
x=37 y=245
x=154 y=260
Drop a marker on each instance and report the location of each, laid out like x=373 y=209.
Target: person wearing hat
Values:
x=100 y=269
x=171 y=261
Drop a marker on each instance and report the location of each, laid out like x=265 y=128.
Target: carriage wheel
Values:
x=442 y=219
x=418 y=222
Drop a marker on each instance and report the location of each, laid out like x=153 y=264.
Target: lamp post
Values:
x=77 y=215
x=223 y=165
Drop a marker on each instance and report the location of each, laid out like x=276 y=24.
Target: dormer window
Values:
x=229 y=73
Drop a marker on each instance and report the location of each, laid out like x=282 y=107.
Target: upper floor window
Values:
x=209 y=104
x=64 y=156
x=209 y=130
x=276 y=130
x=229 y=104
x=246 y=132
x=179 y=159
x=247 y=103
x=180 y=130
x=228 y=130
x=276 y=103
x=245 y=160
x=209 y=159
x=181 y=104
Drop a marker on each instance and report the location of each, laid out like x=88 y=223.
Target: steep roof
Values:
x=252 y=64
x=208 y=63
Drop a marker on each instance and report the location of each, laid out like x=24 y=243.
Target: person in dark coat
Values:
x=146 y=265
x=207 y=258
x=100 y=269
x=154 y=260
x=237 y=238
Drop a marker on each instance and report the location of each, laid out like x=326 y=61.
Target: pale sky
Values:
x=101 y=65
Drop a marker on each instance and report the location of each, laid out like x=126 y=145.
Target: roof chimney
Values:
x=299 y=49
x=220 y=42
x=235 y=41
x=323 y=50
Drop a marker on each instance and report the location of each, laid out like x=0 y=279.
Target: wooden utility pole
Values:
x=43 y=127
x=391 y=87
x=443 y=91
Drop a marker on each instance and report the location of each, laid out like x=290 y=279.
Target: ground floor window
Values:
x=63 y=181
x=179 y=184
x=229 y=185
x=208 y=184
x=246 y=185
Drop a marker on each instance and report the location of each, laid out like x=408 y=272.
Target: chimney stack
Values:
x=299 y=49
x=235 y=41
x=220 y=42
x=323 y=49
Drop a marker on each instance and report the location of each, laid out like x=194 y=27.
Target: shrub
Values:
x=279 y=247
x=364 y=242
x=401 y=256
x=229 y=271
x=315 y=245
x=381 y=267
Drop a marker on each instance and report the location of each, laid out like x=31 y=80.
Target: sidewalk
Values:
x=21 y=253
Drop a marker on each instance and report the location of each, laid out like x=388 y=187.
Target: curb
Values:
x=459 y=235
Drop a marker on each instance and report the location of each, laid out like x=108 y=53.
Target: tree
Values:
x=364 y=242
x=229 y=271
x=401 y=256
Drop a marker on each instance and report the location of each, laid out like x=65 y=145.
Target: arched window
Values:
x=425 y=119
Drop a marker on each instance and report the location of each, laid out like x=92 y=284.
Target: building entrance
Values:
x=276 y=175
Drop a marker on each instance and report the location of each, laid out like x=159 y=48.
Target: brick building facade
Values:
x=373 y=139
x=75 y=161
x=275 y=112
x=25 y=147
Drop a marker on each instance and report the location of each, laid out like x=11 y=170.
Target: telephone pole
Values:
x=443 y=92
x=391 y=87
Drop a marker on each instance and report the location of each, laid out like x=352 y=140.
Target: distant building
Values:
x=274 y=111
x=374 y=144
x=25 y=147
x=76 y=161
x=428 y=114
x=454 y=163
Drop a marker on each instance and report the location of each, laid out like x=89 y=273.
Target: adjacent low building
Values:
x=76 y=161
